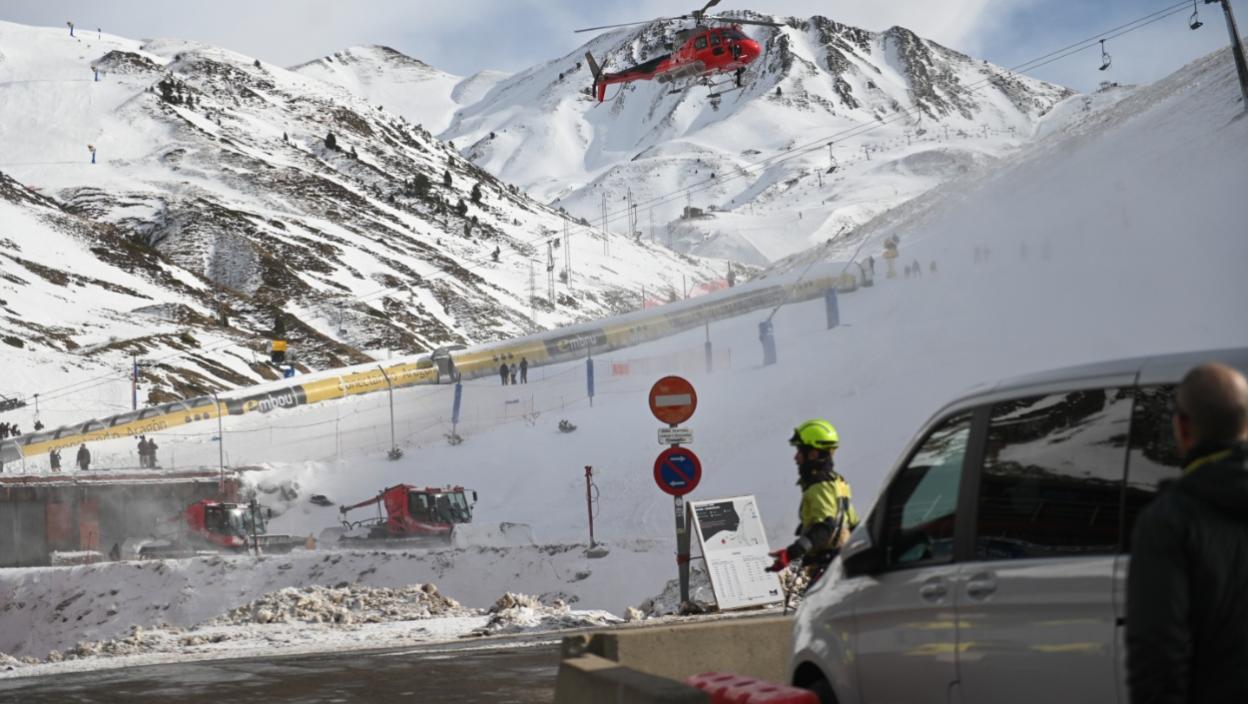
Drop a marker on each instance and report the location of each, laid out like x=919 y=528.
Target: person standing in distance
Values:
x=1187 y=585
x=826 y=512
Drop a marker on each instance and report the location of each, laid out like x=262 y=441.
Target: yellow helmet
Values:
x=816 y=433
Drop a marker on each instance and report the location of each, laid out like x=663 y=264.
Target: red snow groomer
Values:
x=209 y=525
x=425 y=516
x=412 y=515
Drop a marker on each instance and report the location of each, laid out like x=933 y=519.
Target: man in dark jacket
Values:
x=1187 y=589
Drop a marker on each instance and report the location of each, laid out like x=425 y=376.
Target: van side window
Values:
x=923 y=498
x=1153 y=457
x=1052 y=476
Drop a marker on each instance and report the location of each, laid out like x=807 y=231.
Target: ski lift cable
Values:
x=743 y=170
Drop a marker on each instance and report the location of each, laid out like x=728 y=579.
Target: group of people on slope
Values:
x=507 y=372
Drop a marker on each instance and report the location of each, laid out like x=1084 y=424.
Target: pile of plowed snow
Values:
x=344 y=605
x=518 y=613
x=316 y=618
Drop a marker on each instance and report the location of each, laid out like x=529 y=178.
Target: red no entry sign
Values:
x=677 y=471
x=673 y=400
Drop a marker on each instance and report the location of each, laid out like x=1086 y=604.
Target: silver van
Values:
x=993 y=565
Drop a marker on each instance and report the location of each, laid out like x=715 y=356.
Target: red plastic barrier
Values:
x=726 y=688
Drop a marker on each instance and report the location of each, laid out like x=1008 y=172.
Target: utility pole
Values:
x=632 y=213
x=550 y=272
x=606 y=245
x=532 y=292
x=567 y=252
x=1237 y=48
x=652 y=224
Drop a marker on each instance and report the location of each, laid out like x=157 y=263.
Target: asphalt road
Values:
x=518 y=672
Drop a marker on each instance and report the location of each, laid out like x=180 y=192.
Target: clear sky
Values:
x=465 y=36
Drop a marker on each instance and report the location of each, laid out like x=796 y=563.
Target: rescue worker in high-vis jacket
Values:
x=826 y=512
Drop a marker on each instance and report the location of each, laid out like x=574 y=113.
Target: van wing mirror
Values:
x=861 y=556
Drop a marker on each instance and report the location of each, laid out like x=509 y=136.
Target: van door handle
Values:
x=933 y=590
x=981 y=586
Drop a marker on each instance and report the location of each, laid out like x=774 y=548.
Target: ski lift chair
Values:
x=1195 y=22
x=1106 y=59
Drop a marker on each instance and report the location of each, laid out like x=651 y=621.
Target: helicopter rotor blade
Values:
x=623 y=24
x=707 y=6
x=737 y=20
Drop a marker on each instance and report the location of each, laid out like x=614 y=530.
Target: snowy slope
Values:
x=402 y=85
x=932 y=112
x=219 y=167
x=1132 y=219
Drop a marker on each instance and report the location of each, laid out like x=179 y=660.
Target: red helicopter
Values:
x=704 y=51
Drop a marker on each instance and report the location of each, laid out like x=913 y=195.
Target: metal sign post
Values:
x=677 y=470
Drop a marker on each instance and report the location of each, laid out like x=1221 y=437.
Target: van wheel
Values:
x=810 y=678
x=823 y=690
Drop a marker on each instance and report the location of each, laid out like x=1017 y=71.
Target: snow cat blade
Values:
x=274 y=544
x=497 y=535
x=330 y=537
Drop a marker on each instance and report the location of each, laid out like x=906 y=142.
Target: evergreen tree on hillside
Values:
x=476 y=192
x=420 y=185
x=446 y=178
x=331 y=142
x=461 y=208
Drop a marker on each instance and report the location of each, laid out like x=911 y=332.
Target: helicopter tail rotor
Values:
x=600 y=86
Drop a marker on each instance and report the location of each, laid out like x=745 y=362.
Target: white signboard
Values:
x=734 y=546
x=675 y=436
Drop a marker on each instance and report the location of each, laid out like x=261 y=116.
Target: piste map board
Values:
x=734 y=546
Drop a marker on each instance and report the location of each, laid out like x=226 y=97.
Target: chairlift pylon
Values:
x=1106 y=59
x=1195 y=22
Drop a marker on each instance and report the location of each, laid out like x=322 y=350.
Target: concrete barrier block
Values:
x=589 y=678
x=754 y=647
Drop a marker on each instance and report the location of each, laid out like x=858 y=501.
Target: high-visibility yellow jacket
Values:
x=824 y=502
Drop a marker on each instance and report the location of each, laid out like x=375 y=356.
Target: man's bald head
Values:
x=1214 y=399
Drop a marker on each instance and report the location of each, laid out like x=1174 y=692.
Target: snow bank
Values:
x=520 y=613
x=343 y=604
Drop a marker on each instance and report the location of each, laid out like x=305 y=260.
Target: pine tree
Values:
x=461 y=207
x=446 y=178
x=420 y=185
x=257 y=63
x=354 y=154
x=331 y=142
x=476 y=193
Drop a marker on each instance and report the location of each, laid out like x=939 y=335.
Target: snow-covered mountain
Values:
x=401 y=84
x=217 y=189
x=1140 y=206
x=913 y=114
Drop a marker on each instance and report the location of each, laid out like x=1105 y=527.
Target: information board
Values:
x=734 y=546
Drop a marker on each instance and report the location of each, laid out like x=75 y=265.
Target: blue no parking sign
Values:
x=677 y=471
